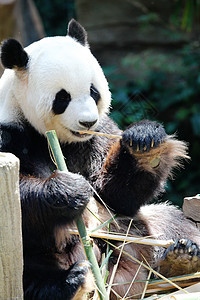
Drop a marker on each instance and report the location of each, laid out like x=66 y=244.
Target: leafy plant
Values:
x=171 y=95
x=186 y=13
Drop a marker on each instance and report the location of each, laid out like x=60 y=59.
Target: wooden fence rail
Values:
x=11 y=261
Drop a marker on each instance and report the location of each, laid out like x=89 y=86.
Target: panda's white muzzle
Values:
x=81 y=114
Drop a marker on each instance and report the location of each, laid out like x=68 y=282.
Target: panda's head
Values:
x=55 y=83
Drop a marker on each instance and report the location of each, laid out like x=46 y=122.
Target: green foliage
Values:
x=185 y=14
x=168 y=91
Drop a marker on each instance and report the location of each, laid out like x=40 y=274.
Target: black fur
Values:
x=63 y=204
x=13 y=55
x=64 y=195
x=75 y=30
x=94 y=94
x=61 y=102
x=58 y=285
x=122 y=179
x=142 y=134
x=56 y=199
x=125 y=181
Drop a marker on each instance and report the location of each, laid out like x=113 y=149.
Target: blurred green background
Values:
x=150 y=53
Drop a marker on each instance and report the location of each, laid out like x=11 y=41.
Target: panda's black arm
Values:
x=138 y=166
x=57 y=196
x=122 y=185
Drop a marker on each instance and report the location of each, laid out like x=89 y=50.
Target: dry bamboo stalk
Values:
x=137 y=240
x=150 y=269
x=167 y=289
x=146 y=285
x=192 y=294
x=117 y=263
x=174 y=279
x=114 y=136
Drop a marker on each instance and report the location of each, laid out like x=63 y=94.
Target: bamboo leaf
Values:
x=104 y=224
x=106 y=259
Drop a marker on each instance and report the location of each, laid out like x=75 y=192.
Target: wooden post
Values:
x=11 y=262
x=191 y=209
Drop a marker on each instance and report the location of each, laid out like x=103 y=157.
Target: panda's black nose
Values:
x=87 y=125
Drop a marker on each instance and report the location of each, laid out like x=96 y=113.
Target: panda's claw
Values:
x=143 y=136
x=182 y=246
x=183 y=257
x=183 y=241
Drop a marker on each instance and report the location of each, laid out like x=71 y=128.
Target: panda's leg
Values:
x=130 y=277
x=167 y=222
x=129 y=281
x=183 y=257
x=72 y=284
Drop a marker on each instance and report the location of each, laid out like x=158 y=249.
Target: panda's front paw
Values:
x=80 y=276
x=69 y=193
x=143 y=136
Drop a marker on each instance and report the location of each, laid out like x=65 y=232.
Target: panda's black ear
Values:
x=13 y=55
x=75 y=30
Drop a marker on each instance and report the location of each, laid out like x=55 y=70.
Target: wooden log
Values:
x=11 y=263
x=191 y=208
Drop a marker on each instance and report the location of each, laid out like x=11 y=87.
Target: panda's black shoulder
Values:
x=24 y=141
x=12 y=136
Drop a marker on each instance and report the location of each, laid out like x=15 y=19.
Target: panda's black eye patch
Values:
x=94 y=93
x=61 y=102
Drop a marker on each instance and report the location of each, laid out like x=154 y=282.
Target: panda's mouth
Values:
x=80 y=135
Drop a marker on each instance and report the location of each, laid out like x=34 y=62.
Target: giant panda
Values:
x=56 y=83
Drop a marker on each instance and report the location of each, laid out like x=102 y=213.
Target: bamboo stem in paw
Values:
x=85 y=239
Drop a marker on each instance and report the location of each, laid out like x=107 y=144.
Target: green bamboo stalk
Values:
x=85 y=239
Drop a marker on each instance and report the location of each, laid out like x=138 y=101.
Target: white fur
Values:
x=55 y=63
